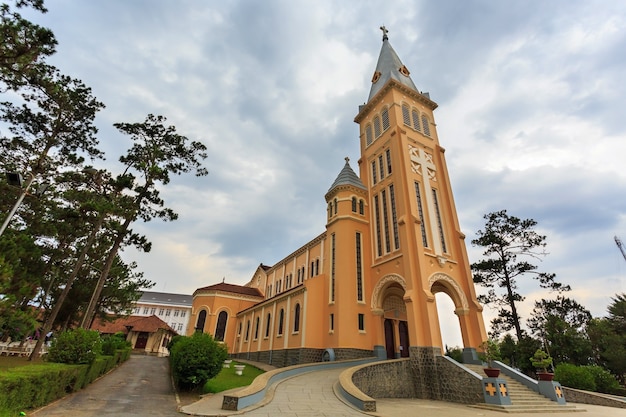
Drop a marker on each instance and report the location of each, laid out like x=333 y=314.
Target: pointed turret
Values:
x=347 y=177
x=389 y=67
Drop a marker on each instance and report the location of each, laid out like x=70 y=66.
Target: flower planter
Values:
x=227 y=363
x=239 y=369
x=545 y=376
x=492 y=372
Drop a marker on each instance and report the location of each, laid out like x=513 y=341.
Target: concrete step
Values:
x=523 y=399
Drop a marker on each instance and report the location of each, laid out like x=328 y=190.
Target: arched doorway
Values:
x=395 y=320
x=452 y=309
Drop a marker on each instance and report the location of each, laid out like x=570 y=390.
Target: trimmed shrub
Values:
x=78 y=346
x=605 y=381
x=573 y=376
x=110 y=344
x=196 y=359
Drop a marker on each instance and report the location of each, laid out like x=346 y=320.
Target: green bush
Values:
x=196 y=359
x=573 y=376
x=605 y=381
x=78 y=346
x=112 y=343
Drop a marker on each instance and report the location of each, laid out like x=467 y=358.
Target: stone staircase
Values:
x=523 y=399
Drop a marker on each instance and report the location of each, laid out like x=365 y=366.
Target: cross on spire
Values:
x=385 y=32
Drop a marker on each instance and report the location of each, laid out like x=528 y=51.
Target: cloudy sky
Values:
x=532 y=113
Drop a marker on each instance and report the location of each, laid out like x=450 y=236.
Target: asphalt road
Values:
x=140 y=387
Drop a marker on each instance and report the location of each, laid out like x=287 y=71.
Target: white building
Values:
x=173 y=309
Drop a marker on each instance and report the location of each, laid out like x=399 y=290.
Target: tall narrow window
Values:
x=379 y=246
x=439 y=222
x=426 y=125
x=298 y=275
x=296 y=319
x=361 y=207
x=220 y=329
x=268 y=321
x=406 y=118
x=388 y=153
x=200 y=322
x=381 y=166
x=281 y=320
x=354 y=204
x=374 y=175
x=332 y=322
x=359 y=270
x=377 y=131
x=420 y=212
x=256 y=328
x=386 y=221
x=312 y=269
x=385 y=117
x=335 y=205
x=330 y=209
x=394 y=218
x=368 y=135
x=332 y=268
x=317 y=266
x=247 y=330
x=361 y=321
x=416 y=120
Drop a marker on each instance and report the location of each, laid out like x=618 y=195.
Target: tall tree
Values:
x=505 y=239
x=157 y=153
x=561 y=324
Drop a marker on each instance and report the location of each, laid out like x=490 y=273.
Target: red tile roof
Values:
x=237 y=289
x=149 y=324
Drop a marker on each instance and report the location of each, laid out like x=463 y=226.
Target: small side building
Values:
x=147 y=334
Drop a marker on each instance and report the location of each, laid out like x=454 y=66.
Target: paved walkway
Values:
x=312 y=394
x=141 y=387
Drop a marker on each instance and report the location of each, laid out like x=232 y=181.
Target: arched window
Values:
x=200 y=322
x=330 y=209
x=377 y=130
x=281 y=319
x=296 y=319
x=247 y=330
x=406 y=116
x=317 y=267
x=361 y=206
x=368 y=135
x=354 y=204
x=256 y=328
x=385 y=117
x=416 y=120
x=426 y=125
x=335 y=205
x=220 y=329
x=267 y=324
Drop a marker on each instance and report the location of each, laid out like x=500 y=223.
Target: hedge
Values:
x=34 y=386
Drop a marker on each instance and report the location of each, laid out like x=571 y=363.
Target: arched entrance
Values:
x=452 y=310
x=200 y=322
x=388 y=301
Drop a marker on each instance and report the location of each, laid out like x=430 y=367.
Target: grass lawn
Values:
x=7 y=362
x=227 y=379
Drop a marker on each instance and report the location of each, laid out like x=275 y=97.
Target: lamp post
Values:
x=16 y=180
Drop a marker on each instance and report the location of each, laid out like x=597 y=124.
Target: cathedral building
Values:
x=366 y=285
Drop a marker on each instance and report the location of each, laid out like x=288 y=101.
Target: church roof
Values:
x=237 y=289
x=389 y=67
x=347 y=177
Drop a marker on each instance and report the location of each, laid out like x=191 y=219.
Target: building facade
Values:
x=367 y=284
x=173 y=309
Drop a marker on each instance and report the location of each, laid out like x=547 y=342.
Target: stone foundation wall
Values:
x=384 y=380
x=584 y=397
x=457 y=385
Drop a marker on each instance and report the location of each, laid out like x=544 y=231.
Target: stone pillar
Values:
x=496 y=392
x=552 y=390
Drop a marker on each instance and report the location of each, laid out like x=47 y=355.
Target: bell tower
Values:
x=416 y=245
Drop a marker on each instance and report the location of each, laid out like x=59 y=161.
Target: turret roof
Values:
x=347 y=177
